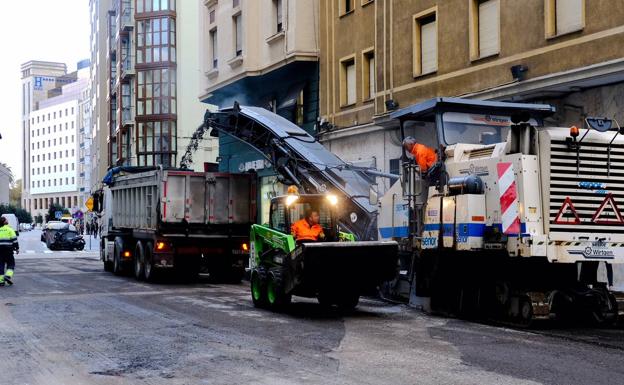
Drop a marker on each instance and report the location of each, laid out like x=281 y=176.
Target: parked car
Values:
x=13 y=222
x=25 y=226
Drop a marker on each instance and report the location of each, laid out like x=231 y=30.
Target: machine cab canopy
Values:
x=448 y=121
x=288 y=209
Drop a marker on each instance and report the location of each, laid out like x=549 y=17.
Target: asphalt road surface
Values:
x=66 y=321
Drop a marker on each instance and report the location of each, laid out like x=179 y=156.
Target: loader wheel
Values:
x=258 y=290
x=348 y=301
x=276 y=297
x=108 y=266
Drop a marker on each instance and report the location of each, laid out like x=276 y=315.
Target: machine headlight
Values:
x=291 y=199
x=332 y=199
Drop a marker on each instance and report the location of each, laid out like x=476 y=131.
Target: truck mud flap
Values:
x=356 y=264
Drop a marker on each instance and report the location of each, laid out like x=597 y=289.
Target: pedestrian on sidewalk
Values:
x=8 y=244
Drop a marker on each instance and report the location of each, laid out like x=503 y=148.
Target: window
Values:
x=368 y=74
x=235 y=3
x=156 y=92
x=212 y=16
x=156 y=40
x=277 y=5
x=213 y=48
x=425 y=55
x=564 y=16
x=66 y=111
x=238 y=33
x=156 y=143
x=347 y=81
x=155 y=5
x=347 y=6
x=484 y=28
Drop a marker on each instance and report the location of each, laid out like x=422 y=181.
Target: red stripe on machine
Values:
x=508 y=196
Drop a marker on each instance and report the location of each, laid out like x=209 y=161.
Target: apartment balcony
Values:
x=127 y=116
x=126 y=19
x=127 y=67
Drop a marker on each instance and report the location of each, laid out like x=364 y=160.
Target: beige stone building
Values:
x=564 y=52
x=262 y=53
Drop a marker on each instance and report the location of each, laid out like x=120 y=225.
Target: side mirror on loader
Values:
x=373 y=198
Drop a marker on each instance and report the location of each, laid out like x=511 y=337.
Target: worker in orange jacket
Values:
x=308 y=228
x=425 y=156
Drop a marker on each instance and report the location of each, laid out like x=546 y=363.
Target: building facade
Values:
x=261 y=53
x=38 y=77
x=55 y=147
x=569 y=56
x=152 y=112
x=5 y=185
x=97 y=130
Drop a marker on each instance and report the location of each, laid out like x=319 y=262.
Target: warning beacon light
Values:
x=574 y=132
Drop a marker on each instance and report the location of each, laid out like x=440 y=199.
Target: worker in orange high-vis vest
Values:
x=425 y=156
x=308 y=229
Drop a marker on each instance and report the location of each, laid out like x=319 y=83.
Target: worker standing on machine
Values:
x=8 y=244
x=308 y=229
x=425 y=156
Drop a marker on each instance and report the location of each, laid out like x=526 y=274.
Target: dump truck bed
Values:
x=161 y=199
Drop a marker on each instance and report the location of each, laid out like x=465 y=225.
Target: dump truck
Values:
x=156 y=220
x=345 y=265
x=516 y=219
x=336 y=270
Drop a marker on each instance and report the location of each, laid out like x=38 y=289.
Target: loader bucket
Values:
x=361 y=265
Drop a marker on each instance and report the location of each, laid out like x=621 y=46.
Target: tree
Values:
x=54 y=207
x=15 y=194
x=22 y=215
x=11 y=176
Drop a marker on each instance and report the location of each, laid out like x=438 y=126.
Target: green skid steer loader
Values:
x=336 y=270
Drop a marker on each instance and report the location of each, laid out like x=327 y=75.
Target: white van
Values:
x=13 y=222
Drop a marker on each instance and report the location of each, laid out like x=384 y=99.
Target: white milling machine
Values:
x=515 y=221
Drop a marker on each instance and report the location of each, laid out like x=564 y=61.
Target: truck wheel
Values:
x=276 y=297
x=258 y=290
x=108 y=266
x=139 y=262
x=117 y=264
x=148 y=265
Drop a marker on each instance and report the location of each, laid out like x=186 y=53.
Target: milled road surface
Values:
x=66 y=321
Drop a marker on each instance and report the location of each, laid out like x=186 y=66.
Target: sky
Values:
x=49 y=30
